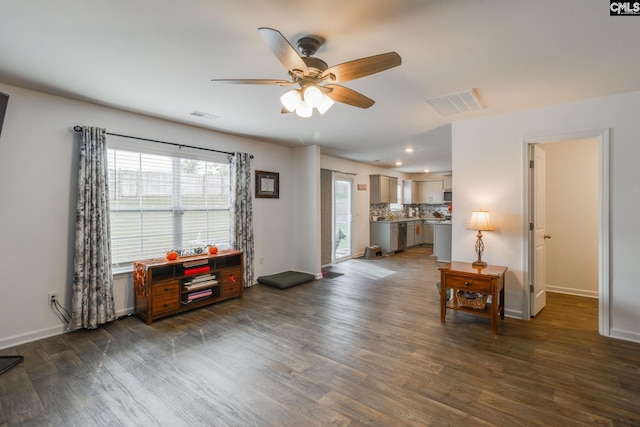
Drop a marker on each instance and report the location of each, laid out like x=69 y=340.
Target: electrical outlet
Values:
x=52 y=297
x=261 y=260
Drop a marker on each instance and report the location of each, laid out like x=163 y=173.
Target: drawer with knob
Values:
x=471 y=284
x=165 y=296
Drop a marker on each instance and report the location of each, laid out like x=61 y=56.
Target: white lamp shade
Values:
x=312 y=96
x=480 y=221
x=291 y=100
x=325 y=104
x=304 y=110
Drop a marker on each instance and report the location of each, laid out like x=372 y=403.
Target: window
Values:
x=161 y=202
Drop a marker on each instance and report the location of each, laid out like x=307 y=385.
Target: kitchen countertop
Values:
x=429 y=220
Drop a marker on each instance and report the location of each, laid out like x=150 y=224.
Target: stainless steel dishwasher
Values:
x=402 y=236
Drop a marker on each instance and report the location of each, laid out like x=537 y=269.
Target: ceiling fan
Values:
x=314 y=78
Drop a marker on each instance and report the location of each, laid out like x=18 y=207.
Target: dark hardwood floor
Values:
x=364 y=348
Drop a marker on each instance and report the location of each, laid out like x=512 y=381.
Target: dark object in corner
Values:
x=286 y=279
x=8 y=362
x=4 y=101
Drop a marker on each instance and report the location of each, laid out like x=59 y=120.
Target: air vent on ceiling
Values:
x=459 y=102
x=202 y=115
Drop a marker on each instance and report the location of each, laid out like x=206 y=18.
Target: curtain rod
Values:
x=79 y=128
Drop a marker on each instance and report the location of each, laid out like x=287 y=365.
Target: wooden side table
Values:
x=487 y=280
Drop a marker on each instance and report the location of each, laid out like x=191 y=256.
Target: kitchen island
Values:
x=442 y=241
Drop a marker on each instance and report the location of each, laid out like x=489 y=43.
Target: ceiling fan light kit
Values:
x=309 y=73
x=303 y=102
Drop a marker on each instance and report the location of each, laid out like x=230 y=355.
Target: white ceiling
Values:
x=158 y=57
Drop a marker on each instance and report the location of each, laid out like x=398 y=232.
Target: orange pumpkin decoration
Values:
x=213 y=250
x=172 y=255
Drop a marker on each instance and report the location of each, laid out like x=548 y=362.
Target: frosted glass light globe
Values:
x=325 y=104
x=312 y=96
x=304 y=110
x=290 y=100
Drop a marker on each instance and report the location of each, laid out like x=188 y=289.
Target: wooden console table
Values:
x=463 y=276
x=163 y=288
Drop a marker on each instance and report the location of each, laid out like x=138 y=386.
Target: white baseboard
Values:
x=32 y=336
x=572 y=291
x=516 y=314
x=625 y=335
x=48 y=332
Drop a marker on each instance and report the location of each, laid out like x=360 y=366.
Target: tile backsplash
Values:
x=383 y=209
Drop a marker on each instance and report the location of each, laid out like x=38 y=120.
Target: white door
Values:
x=342 y=217
x=538 y=292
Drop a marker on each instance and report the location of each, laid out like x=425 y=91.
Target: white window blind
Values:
x=161 y=202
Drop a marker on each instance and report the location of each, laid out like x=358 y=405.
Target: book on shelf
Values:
x=198 y=295
x=202 y=278
x=195 y=263
x=197 y=270
x=201 y=285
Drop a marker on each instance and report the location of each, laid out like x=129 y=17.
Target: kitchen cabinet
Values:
x=410 y=192
x=384 y=189
x=419 y=232
x=431 y=192
x=448 y=182
x=427 y=235
x=411 y=233
x=385 y=235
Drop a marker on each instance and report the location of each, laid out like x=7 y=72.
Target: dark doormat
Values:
x=331 y=275
x=8 y=362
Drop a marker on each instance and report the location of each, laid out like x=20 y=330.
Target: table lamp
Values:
x=480 y=221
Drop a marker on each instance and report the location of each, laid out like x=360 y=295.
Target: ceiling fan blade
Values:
x=283 y=50
x=253 y=81
x=349 y=96
x=363 y=67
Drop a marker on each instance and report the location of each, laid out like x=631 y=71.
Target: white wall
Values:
x=572 y=216
x=38 y=154
x=306 y=210
x=488 y=164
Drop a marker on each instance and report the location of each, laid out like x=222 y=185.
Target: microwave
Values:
x=448 y=196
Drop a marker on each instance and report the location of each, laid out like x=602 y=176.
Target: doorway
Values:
x=342 y=218
x=536 y=229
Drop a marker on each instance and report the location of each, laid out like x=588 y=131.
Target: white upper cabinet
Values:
x=411 y=192
x=431 y=192
x=384 y=189
x=448 y=182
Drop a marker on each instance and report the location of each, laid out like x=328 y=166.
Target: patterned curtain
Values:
x=242 y=212
x=92 y=294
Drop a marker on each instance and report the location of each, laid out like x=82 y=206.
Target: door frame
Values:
x=604 y=284
x=338 y=176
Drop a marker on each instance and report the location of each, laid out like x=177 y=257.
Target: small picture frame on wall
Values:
x=267 y=185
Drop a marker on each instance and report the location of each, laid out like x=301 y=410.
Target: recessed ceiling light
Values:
x=408 y=150
x=426 y=170
x=398 y=163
